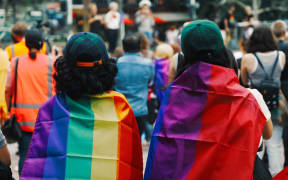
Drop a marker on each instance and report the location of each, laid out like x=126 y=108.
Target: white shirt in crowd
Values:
x=258 y=96
x=172 y=36
x=112 y=20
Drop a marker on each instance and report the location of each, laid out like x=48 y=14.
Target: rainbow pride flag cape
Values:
x=161 y=79
x=208 y=128
x=92 y=138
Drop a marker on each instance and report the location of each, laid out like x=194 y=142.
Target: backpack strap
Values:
x=15 y=85
x=261 y=65
x=275 y=64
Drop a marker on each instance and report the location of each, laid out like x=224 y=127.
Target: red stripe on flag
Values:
x=130 y=163
x=230 y=132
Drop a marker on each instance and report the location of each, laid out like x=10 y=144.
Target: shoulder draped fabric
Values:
x=208 y=127
x=95 y=137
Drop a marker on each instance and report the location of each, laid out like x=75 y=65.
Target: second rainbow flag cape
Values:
x=208 y=128
x=95 y=137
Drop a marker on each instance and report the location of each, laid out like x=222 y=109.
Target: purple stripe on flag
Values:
x=57 y=142
x=176 y=148
x=37 y=154
x=154 y=139
x=161 y=81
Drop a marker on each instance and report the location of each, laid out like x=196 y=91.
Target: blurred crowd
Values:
x=163 y=82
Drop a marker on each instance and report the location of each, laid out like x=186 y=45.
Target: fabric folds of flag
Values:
x=161 y=80
x=95 y=137
x=208 y=127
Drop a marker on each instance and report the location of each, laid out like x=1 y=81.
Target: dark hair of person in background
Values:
x=233 y=61
x=78 y=81
x=225 y=59
x=261 y=40
x=34 y=42
x=132 y=43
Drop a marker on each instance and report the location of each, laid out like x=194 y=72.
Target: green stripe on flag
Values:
x=80 y=139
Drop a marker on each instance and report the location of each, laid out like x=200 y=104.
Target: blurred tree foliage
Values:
x=268 y=10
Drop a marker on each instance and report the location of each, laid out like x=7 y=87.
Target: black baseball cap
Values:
x=86 y=49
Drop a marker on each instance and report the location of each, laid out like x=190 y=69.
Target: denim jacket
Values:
x=132 y=80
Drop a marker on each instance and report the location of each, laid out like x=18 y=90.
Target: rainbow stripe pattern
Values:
x=92 y=138
x=161 y=80
x=208 y=127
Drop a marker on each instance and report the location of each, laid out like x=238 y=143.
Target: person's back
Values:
x=20 y=49
x=35 y=79
x=207 y=120
x=16 y=50
x=268 y=60
x=86 y=131
x=34 y=86
x=5 y=161
x=133 y=79
x=262 y=49
x=279 y=30
x=134 y=75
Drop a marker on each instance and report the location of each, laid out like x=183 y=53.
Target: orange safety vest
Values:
x=20 y=49
x=34 y=87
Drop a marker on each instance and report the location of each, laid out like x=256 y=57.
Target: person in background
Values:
x=19 y=47
x=230 y=25
x=87 y=130
x=263 y=48
x=145 y=20
x=4 y=66
x=172 y=35
x=279 y=30
x=34 y=87
x=163 y=55
x=134 y=76
x=95 y=20
x=247 y=30
x=112 y=22
x=5 y=161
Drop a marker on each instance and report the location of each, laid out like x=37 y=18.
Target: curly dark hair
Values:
x=77 y=81
x=262 y=40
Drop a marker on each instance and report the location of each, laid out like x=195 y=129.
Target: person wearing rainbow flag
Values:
x=208 y=126
x=86 y=131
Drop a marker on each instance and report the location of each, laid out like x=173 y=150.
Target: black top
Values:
x=95 y=27
x=231 y=20
x=283 y=46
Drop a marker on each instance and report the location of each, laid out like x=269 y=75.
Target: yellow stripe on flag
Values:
x=105 y=139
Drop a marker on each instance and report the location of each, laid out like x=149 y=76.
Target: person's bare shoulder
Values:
x=248 y=61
